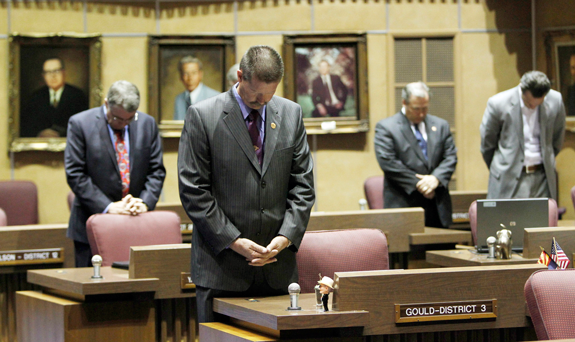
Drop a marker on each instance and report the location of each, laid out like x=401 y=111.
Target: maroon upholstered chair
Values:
x=553 y=217
x=112 y=235
x=70 y=199
x=330 y=251
x=3 y=219
x=19 y=199
x=550 y=296
x=373 y=188
x=573 y=195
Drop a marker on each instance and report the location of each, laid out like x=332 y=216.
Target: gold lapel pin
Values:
x=273 y=125
x=433 y=128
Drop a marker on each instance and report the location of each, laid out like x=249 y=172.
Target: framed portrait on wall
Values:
x=184 y=70
x=327 y=76
x=51 y=78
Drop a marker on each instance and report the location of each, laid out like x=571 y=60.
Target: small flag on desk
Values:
x=559 y=256
x=546 y=260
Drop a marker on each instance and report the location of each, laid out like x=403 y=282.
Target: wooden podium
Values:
x=151 y=301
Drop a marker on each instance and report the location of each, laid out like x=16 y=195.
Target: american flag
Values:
x=546 y=260
x=558 y=255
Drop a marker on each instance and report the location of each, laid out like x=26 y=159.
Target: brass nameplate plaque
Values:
x=447 y=311
x=186 y=228
x=186 y=281
x=32 y=256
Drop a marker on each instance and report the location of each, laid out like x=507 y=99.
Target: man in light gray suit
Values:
x=246 y=181
x=191 y=74
x=521 y=133
x=417 y=155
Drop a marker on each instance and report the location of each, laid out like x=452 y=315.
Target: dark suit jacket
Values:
x=400 y=158
x=320 y=93
x=37 y=114
x=92 y=170
x=228 y=195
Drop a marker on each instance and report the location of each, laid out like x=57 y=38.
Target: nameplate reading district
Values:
x=32 y=256
x=425 y=312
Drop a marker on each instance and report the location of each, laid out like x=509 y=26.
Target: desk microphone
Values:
x=97 y=262
x=294 y=291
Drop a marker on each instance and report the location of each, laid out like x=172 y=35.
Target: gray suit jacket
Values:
x=228 y=195
x=182 y=101
x=502 y=141
x=400 y=158
x=92 y=170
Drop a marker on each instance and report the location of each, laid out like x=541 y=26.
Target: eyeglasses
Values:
x=126 y=121
x=52 y=72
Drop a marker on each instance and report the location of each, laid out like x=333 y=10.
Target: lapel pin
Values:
x=273 y=125
x=433 y=128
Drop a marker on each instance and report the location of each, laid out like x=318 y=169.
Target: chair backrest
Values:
x=573 y=196
x=330 y=251
x=19 y=199
x=70 y=199
x=550 y=297
x=373 y=188
x=112 y=235
x=553 y=217
x=3 y=219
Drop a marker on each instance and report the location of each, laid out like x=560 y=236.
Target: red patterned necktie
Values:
x=123 y=161
x=255 y=134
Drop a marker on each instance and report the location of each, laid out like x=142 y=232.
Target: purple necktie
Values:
x=255 y=134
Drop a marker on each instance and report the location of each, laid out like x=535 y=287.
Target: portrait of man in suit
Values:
x=49 y=108
x=417 y=154
x=328 y=92
x=246 y=181
x=113 y=162
x=191 y=75
x=521 y=134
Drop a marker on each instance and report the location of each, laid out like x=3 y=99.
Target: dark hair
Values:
x=263 y=62
x=536 y=83
x=51 y=58
x=125 y=95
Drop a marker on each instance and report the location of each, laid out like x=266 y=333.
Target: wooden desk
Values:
x=533 y=238
x=13 y=275
x=460 y=202
x=377 y=292
x=146 y=303
x=397 y=224
x=467 y=257
x=440 y=235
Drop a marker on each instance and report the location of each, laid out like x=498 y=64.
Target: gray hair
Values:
x=232 y=74
x=417 y=89
x=535 y=82
x=189 y=59
x=264 y=63
x=125 y=95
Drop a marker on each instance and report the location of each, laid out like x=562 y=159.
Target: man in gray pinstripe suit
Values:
x=250 y=209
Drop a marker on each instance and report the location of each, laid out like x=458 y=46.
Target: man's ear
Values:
x=239 y=73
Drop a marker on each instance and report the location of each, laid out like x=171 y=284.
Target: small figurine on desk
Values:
x=325 y=287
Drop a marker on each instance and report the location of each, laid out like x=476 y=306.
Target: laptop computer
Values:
x=515 y=214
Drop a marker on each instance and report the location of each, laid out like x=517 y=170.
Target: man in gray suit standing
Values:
x=191 y=74
x=416 y=152
x=246 y=182
x=521 y=133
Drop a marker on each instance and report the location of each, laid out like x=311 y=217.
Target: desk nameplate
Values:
x=446 y=311
x=32 y=256
x=186 y=281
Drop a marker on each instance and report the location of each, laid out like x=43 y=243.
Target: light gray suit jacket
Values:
x=228 y=195
x=503 y=145
x=183 y=101
x=400 y=158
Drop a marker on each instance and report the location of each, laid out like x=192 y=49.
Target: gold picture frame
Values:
x=81 y=53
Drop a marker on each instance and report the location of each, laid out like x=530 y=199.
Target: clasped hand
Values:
x=129 y=205
x=257 y=255
x=427 y=185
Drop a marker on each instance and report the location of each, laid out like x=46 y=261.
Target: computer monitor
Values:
x=515 y=214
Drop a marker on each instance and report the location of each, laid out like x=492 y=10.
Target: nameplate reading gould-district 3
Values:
x=32 y=256
x=425 y=312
